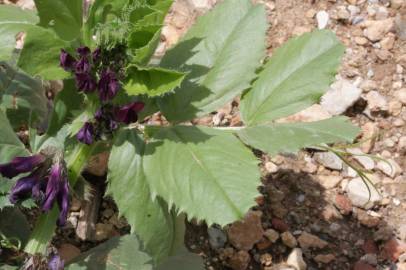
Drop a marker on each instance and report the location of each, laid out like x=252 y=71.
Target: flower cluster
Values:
x=45 y=181
x=100 y=70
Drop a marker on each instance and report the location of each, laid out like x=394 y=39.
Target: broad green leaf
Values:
x=118 y=253
x=149 y=219
x=151 y=81
x=295 y=77
x=22 y=97
x=281 y=138
x=198 y=167
x=66 y=102
x=143 y=42
x=5 y=187
x=64 y=16
x=12 y=21
x=221 y=53
x=10 y=145
x=40 y=54
x=13 y=224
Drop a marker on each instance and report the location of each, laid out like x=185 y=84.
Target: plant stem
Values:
x=46 y=224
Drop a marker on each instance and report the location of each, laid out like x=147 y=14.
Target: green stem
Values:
x=46 y=224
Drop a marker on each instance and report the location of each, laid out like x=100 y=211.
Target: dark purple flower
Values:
x=23 y=188
x=83 y=65
x=108 y=85
x=83 y=51
x=63 y=202
x=85 y=134
x=53 y=186
x=56 y=263
x=21 y=165
x=96 y=55
x=85 y=82
x=67 y=61
x=128 y=113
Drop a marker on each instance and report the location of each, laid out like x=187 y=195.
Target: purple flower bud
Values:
x=63 y=202
x=56 y=263
x=96 y=55
x=83 y=65
x=67 y=61
x=23 y=188
x=83 y=51
x=108 y=85
x=128 y=113
x=53 y=186
x=85 y=82
x=85 y=134
x=21 y=165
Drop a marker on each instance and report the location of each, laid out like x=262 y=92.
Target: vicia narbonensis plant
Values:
x=155 y=173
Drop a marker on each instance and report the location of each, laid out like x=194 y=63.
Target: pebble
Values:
x=279 y=225
x=68 y=252
x=272 y=235
x=307 y=240
x=246 y=233
x=376 y=102
x=296 y=260
x=322 y=18
x=324 y=258
x=360 y=265
x=367 y=220
x=396 y=3
x=217 y=237
x=103 y=231
x=271 y=167
x=366 y=162
x=393 y=249
x=369 y=133
x=401 y=95
x=329 y=181
x=400 y=24
x=362 y=193
x=240 y=260
x=389 y=167
x=343 y=203
x=288 y=239
x=329 y=160
x=376 y=30
x=342 y=95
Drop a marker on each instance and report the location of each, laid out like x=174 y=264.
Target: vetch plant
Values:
x=156 y=174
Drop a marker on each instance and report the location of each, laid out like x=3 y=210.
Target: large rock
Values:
x=362 y=193
x=246 y=233
x=342 y=95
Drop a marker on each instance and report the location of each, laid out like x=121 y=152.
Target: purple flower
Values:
x=108 y=85
x=21 y=165
x=85 y=134
x=56 y=263
x=67 y=61
x=128 y=113
x=23 y=188
x=63 y=202
x=83 y=51
x=96 y=55
x=85 y=82
x=83 y=65
x=53 y=186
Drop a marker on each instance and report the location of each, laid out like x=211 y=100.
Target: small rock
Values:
x=369 y=85
x=396 y=3
x=401 y=95
x=360 y=265
x=244 y=234
x=240 y=260
x=342 y=95
x=68 y=252
x=311 y=114
x=376 y=30
x=217 y=237
x=366 y=162
x=103 y=231
x=393 y=249
x=343 y=14
x=389 y=167
x=362 y=193
x=376 y=102
x=343 y=204
x=272 y=235
x=75 y=205
x=400 y=24
x=388 y=42
x=307 y=240
x=329 y=160
x=381 y=13
x=369 y=247
x=263 y=244
x=329 y=181
x=279 y=225
x=288 y=239
x=295 y=259
x=384 y=233
x=369 y=134
x=366 y=219
x=271 y=167
x=361 y=41
x=327 y=258
x=322 y=18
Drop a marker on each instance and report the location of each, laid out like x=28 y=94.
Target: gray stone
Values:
x=362 y=193
x=217 y=238
x=342 y=95
x=329 y=160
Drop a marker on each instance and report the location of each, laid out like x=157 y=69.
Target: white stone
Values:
x=389 y=167
x=295 y=259
x=329 y=160
x=322 y=18
x=376 y=30
x=376 y=102
x=366 y=162
x=342 y=95
x=362 y=193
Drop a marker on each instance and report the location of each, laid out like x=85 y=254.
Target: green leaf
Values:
x=198 y=167
x=281 y=138
x=13 y=224
x=22 y=97
x=294 y=78
x=143 y=42
x=64 y=16
x=66 y=102
x=152 y=81
x=221 y=53
x=117 y=253
x=10 y=145
x=127 y=184
x=12 y=21
x=5 y=187
x=40 y=54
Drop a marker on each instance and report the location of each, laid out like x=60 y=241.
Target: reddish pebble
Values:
x=370 y=247
x=279 y=225
x=264 y=244
x=363 y=266
x=393 y=249
x=343 y=203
